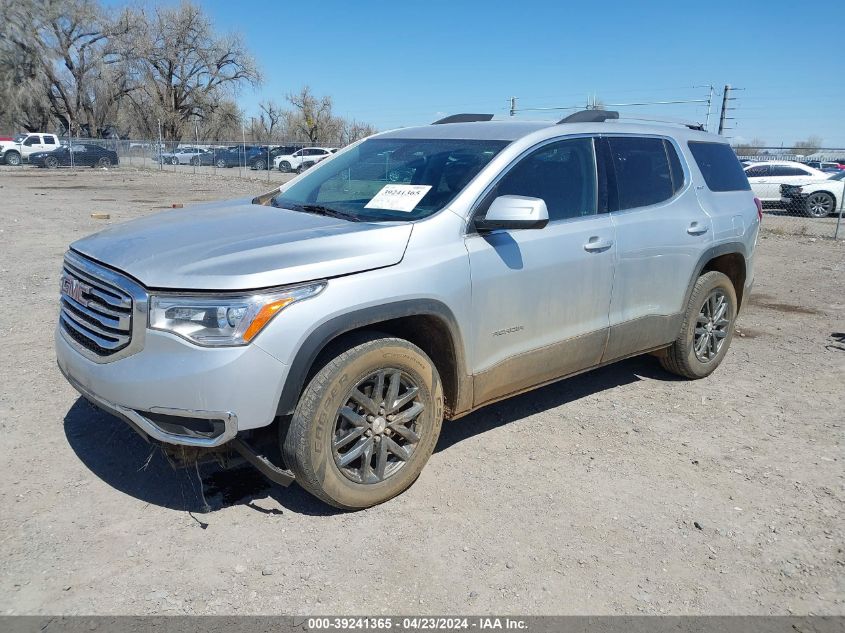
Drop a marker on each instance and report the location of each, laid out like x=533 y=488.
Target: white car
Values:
x=19 y=148
x=818 y=199
x=302 y=159
x=767 y=177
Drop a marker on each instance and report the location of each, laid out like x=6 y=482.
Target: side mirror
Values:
x=514 y=212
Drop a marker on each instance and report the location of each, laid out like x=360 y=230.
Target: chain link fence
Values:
x=802 y=194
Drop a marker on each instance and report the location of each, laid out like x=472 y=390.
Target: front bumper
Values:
x=171 y=386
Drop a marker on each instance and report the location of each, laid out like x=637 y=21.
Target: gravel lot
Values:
x=623 y=490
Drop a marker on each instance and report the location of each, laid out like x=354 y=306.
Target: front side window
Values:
x=32 y=140
x=758 y=171
x=562 y=174
x=641 y=171
x=390 y=178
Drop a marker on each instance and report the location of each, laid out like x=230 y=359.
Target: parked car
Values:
x=342 y=318
x=20 y=148
x=302 y=159
x=259 y=161
x=817 y=199
x=236 y=155
x=825 y=166
x=187 y=156
x=767 y=177
x=80 y=154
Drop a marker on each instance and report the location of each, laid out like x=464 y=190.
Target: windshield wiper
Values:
x=318 y=209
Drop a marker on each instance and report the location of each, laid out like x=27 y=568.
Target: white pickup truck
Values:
x=19 y=148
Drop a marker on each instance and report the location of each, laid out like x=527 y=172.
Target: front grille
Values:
x=95 y=313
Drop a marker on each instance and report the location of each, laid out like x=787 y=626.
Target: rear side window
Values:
x=758 y=171
x=642 y=172
x=786 y=170
x=720 y=166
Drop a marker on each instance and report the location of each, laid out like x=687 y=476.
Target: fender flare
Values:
x=326 y=332
x=726 y=248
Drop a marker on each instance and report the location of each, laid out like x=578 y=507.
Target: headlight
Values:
x=223 y=320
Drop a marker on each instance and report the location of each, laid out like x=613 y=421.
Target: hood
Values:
x=238 y=245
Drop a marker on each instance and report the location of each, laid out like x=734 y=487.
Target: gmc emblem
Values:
x=75 y=289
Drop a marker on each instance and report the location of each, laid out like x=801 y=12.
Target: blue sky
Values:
x=405 y=63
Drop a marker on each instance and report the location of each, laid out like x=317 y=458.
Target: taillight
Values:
x=759 y=209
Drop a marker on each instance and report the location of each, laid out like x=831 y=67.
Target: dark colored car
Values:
x=259 y=161
x=84 y=154
x=237 y=155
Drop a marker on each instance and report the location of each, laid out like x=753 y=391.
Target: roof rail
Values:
x=690 y=124
x=463 y=118
x=590 y=116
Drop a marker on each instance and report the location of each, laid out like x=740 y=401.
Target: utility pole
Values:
x=709 y=105
x=513 y=106
x=725 y=99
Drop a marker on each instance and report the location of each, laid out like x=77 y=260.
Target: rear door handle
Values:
x=696 y=228
x=596 y=245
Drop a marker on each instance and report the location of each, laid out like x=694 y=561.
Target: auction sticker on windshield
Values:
x=398 y=197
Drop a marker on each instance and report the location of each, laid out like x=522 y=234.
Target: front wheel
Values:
x=51 y=162
x=105 y=161
x=819 y=205
x=707 y=329
x=258 y=164
x=366 y=424
x=174 y=161
x=13 y=158
x=221 y=164
x=284 y=166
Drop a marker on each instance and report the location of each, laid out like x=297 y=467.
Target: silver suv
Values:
x=417 y=275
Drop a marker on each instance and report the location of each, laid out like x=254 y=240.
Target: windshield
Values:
x=392 y=179
x=838 y=176
x=20 y=137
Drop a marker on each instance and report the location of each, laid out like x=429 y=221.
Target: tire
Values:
x=221 y=163
x=304 y=166
x=12 y=158
x=819 y=204
x=682 y=357
x=105 y=161
x=285 y=167
x=330 y=470
x=195 y=162
x=258 y=164
x=51 y=162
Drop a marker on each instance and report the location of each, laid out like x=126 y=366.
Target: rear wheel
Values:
x=195 y=161
x=707 y=329
x=174 y=161
x=221 y=164
x=13 y=158
x=105 y=161
x=819 y=204
x=366 y=424
x=258 y=164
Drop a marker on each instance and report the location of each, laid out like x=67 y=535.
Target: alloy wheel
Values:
x=51 y=162
x=378 y=427
x=712 y=326
x=819 y=205
x=105 y=161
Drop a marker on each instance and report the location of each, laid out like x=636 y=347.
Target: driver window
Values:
x=563 y=174
x=32 y=140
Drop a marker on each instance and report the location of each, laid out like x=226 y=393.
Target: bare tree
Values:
x=270 y=120
x=62 y=55
x=753 y=148
x=312 y=117
x=185 y=70
x=353 y=130
x=809 y=146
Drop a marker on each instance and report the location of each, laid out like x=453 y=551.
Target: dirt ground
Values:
x=624 y=490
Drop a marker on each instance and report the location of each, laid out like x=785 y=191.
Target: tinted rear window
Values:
x=719 y=166
x=643 y=175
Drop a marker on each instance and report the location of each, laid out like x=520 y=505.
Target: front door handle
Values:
x=697 y=229
x=596 y=245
